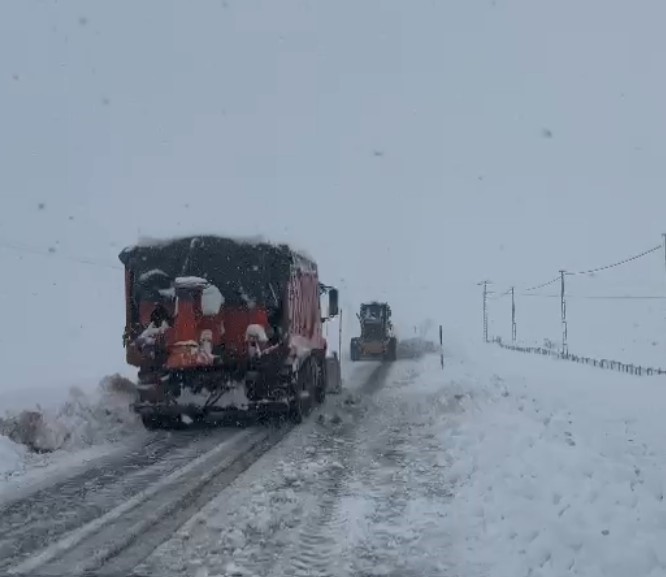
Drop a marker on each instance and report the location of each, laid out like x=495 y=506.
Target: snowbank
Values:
x=558 y=469
x=12 y=457
x=41 y=436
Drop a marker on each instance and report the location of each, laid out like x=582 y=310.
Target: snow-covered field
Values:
x=557 y=469
x=629 y=331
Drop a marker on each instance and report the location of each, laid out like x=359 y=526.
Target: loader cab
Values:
x=374 y=312
x=374 y=321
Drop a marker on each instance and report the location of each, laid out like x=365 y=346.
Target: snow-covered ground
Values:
x=39 y=442
x=558 y=469
x=501 y=465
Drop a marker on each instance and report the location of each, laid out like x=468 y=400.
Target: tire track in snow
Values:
x=389 y=501
x=30 y=523
x=129 y=538
x=398 y=478
x=314 y=552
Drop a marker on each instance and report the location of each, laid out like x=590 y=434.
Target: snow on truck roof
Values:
x=243 y=270
x=249 y=241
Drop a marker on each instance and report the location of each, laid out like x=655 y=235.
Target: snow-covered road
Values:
x=28 y=522
x=359 y=491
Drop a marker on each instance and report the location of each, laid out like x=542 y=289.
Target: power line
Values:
x=619 y=263
x=533 y=288
x=564 y=296
x=55 y=254
x=600 y=297
x=590 y=271
x=542 y=285
x=499 y=296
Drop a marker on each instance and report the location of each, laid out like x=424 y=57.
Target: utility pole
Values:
x=513 y=315
x=563 y=310
x=485 y=308
x=340 y=336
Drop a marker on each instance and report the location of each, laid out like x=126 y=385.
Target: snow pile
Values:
x=81 y=421
x=558 y=469
x=12 y=457
x=34 y=430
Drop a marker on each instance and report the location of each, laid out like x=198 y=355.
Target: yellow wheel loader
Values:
x=378 y=339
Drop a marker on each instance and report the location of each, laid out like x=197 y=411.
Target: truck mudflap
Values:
x=333 y=375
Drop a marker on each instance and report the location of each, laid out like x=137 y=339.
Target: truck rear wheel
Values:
x=321 y=382
x=304 y=391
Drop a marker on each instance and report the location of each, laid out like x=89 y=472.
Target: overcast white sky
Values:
x=404 y=144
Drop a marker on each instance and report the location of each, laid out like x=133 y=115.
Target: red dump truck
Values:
x=217 y=325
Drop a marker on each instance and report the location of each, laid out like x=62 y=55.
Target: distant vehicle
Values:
x=217 y=325
x=378 y=339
